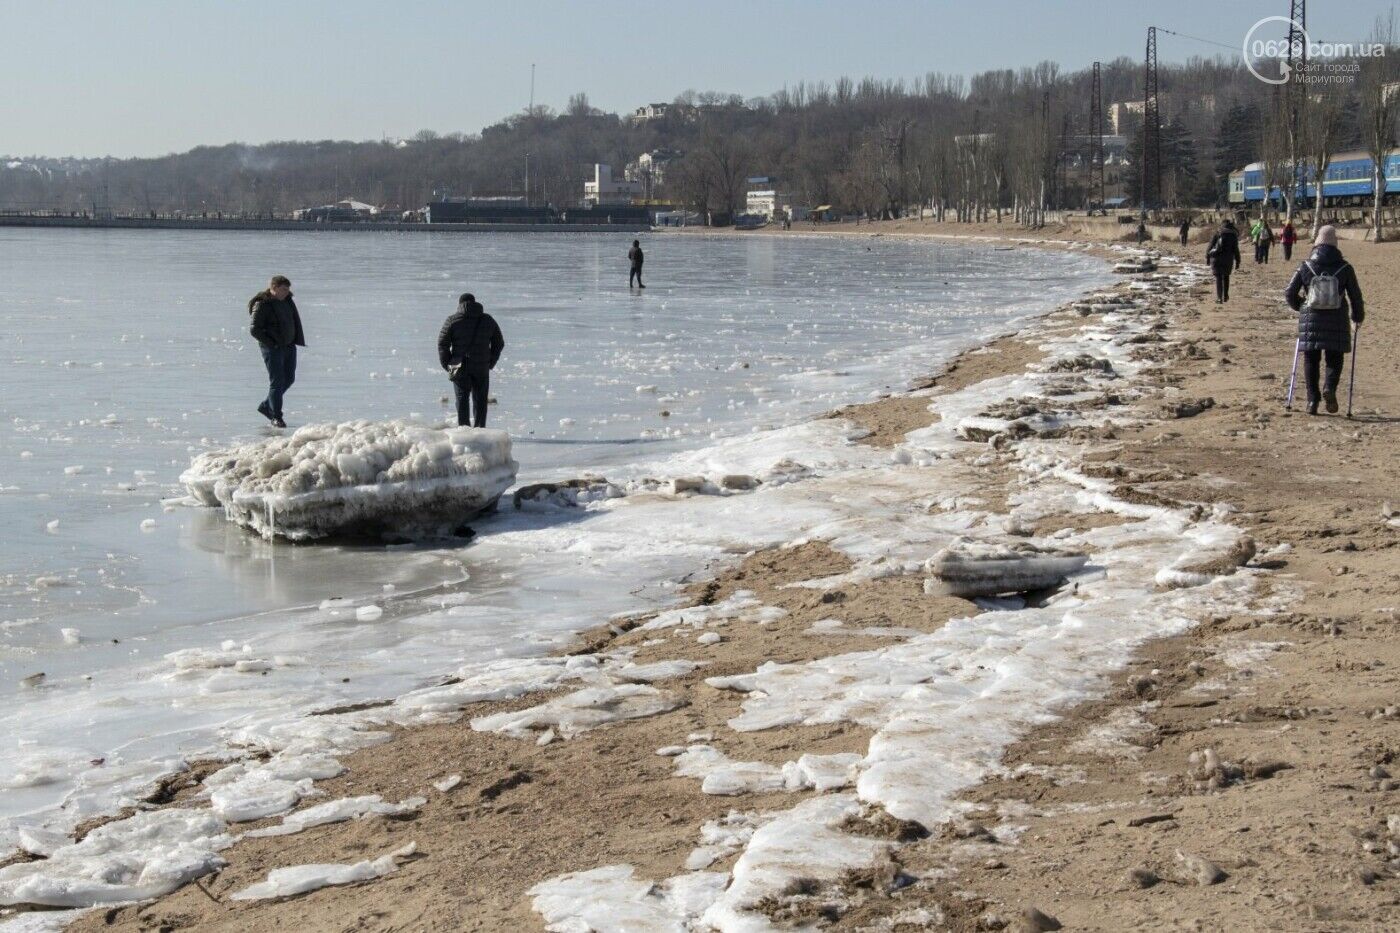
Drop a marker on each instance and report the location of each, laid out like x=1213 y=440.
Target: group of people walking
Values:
x=470 y=344
x=1262 y=235
x=1324 y=292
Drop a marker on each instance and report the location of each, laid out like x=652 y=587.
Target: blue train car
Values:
x=1348 y=180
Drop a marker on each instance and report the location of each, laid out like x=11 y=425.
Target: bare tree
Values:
x=1380 y=104
x=1324 y=117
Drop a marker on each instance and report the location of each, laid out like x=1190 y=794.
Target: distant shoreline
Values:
x=300 y=226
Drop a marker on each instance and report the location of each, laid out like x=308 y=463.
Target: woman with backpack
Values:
x=1266 y=240
x=1330 y=285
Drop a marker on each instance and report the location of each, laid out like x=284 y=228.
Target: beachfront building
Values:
x=768 y=202
x=604 y=189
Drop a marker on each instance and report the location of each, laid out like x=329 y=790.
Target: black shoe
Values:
x=279 y=423
x=1331 y=399
x=1312 y=408
x=266 y=412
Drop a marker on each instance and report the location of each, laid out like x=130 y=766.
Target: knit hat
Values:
x=1327 y=236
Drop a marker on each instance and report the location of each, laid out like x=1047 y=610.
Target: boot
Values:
x=1330 y=397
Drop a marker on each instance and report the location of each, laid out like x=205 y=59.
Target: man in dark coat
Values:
x=635 y=254
x=1223 y=257
x=1185 y=230
x=276 y=326
x=469 y=345
x=1325 y=332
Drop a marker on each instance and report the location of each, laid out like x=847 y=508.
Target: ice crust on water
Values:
x=300 y=879
x=356 y=478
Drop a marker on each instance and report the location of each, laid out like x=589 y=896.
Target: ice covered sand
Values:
x=913 y=695
x=360 y=478
x=528 y=828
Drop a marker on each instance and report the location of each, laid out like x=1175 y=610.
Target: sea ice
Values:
x=359 y=478
x=969 y=568
x=338 y=811
x=612 y=900
x=580 y=711
x=143 y=856
x=299 y=879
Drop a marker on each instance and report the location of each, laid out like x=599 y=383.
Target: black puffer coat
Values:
x=470 y=337
x=275 y=323
x=1326 y=330
x=1223 y=254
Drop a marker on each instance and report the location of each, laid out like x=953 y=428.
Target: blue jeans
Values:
x=281 y=365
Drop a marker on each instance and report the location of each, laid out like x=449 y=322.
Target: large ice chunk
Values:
x=356 y=478
x=968 y=568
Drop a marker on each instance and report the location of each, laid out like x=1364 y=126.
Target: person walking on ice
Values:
x=635 y=255
x=1330 y=285
x=276 y=326
x=469 y=346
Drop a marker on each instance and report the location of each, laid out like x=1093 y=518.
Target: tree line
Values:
x=1003 y=142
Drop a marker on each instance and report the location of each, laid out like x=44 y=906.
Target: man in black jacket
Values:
x=276 y=327
x=469 y=345
x=1325 y=331
x=1223 y=256
x=635 y=255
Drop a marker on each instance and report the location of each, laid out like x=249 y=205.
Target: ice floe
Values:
x=361 y=478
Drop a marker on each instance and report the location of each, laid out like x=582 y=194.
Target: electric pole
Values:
x=1151 y=129
x=1095 y=188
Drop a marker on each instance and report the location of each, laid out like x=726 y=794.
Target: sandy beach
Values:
x=1234 y=767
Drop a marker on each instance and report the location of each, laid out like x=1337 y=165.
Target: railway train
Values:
x=1347 y=182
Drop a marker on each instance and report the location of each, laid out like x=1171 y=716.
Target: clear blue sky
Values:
x=147 y=77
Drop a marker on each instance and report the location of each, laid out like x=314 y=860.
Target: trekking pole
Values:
x=1293 y=376
x=1351 y=384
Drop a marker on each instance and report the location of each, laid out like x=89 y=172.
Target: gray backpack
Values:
x=1324 y=291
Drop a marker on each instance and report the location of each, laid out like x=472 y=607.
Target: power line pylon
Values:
x=1297 y=88
x=1095 y=188
x=1151 y=129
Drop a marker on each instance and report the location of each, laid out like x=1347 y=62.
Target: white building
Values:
x=604 y=189
x=770 y=203
x=650 y=112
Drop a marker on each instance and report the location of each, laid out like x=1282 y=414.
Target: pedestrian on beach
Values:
x=635 y=255
x=1322 y=291
x=1223 y=257
x=1266 y=240
x=1288 y=238
x=276 y=326
x=1255 y=229
x=469 y=346
x=1142 y=234
x=1185 y=230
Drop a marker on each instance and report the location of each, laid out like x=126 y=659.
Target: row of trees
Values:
x=1005 y=142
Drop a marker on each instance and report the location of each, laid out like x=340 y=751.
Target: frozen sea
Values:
x=127 y=352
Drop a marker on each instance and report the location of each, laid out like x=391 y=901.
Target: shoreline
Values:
x=889 y=602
